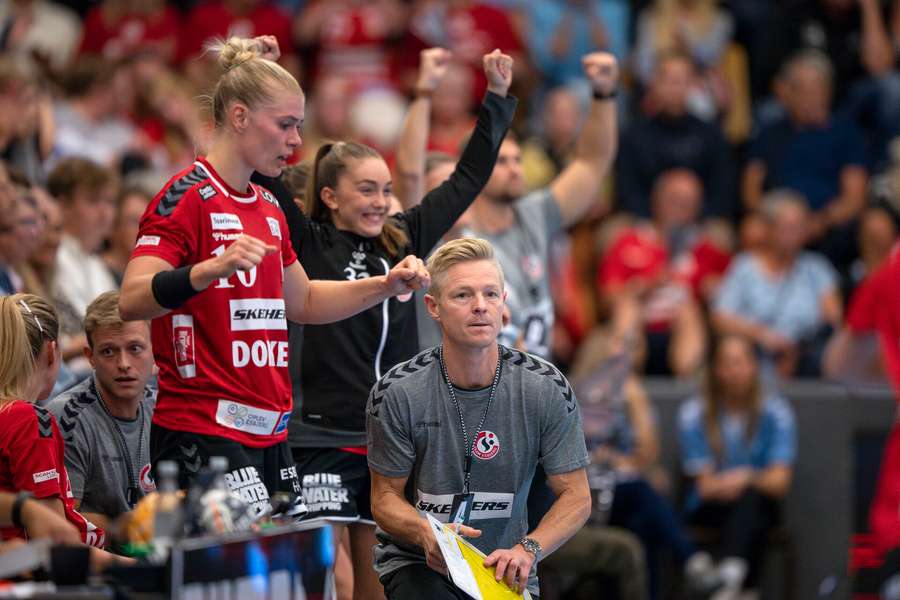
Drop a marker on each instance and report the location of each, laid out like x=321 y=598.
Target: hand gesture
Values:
x=245 y=253
x=498 y=69
x=408 y=275
x=433 y=557
x=267 y=47
x=514 y=565
x=602 y=69
x=433 y=64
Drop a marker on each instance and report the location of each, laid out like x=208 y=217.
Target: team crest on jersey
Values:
x=268 y=197
x=207 y=191
x=274 y=226
x=147 y=483
x=533 y=267
x=486 y=445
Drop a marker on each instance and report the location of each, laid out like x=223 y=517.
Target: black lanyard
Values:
x=131 y=467
x=467 y=459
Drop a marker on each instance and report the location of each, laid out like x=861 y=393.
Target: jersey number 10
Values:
x=247 y=278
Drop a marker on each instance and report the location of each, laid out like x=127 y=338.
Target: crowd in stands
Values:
x=746 y=187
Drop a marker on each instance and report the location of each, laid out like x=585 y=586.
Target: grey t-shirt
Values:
x=414 y=431
x=524 y=254
x=97 y=464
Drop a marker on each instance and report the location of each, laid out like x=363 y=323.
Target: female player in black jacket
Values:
x=349 y=235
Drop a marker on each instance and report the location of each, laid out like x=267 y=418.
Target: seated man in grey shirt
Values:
x=457 y=432
x=105 y=419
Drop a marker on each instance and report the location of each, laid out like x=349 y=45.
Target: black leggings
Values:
x=418 y=581
x=743 y=525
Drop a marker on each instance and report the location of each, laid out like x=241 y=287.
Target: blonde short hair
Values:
x=460 y=251
x=103 y=312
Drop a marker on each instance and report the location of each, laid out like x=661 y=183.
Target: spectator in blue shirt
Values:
x=738 y=444
x=813 y=152
x=785 y=299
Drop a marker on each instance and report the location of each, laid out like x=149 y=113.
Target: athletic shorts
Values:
x=336 y=484
x=253 y=473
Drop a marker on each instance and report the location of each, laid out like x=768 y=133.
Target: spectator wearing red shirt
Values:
x=239 y=18
x=116 y=30
x=31 y=447
x=352 y=39
x=468 y=29
x=667 y=267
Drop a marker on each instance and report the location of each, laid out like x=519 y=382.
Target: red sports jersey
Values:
x=131 y=32
x=32 y=458
x=875 y=308
x=223 y=355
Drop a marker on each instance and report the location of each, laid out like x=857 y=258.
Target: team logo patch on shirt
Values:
x=274 y=226
x=43 y=476
x=207 y=192
x=146 y=481
x=225 y=221
x=147 y=240
x=486 y=445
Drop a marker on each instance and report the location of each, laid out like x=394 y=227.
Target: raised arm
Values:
x=876 y=49
x=575 y=189
x=409 y=184
x=443 y=205
x=323 y=301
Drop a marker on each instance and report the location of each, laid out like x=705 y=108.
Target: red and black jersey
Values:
x=222 y=356
x=32 y=459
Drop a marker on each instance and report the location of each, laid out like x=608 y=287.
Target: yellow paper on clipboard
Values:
x=465 y=564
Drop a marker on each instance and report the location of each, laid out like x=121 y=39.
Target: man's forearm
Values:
x=567 y=515
x=599 y=137
x=399 y=519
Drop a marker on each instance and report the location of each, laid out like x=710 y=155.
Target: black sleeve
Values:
x=296 y=220
x=721 y=189
x=442 y=206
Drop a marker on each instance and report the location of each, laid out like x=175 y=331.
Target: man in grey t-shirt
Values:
x=512 y=409
x=522 y=228
x=105 y=420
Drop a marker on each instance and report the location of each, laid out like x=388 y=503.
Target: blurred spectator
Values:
x=452 y=109
x=878 y=230
x=86 y=192
x=702 y=31
x=352 y=39
x=783 y=298
x=26 y=129
x=20 y=233
x=620 y=431
x=115 y=29
x=671 y=137
x=468 y=29
x=697 y=28
x=560 y=32
x=738 y=445
x=39 y=275
x=546 y=154
x=130 y=206
x=212 y=19
x=328 y=114
x=852 y=33
x=40 y=32
x=90 y=122
x=662 y=270
x=753 y=232
x=813 y=152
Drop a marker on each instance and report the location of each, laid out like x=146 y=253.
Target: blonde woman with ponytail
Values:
x=31 y=447
x=214 y=269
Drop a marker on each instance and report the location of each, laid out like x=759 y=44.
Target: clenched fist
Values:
x=498 y=69
x=408 y=275
x=433 y=64
x=602 y=69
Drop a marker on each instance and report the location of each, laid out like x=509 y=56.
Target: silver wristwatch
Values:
x=533 y=546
